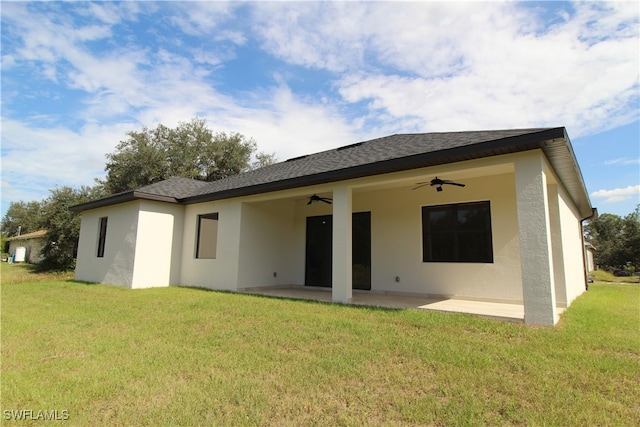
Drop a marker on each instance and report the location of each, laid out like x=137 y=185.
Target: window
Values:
x=207 y=238
x=457 y=233
x=102 y=236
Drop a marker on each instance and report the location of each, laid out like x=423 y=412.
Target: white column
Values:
x=342 y=252
x=535 y=241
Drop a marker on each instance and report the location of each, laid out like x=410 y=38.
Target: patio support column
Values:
x=342 y=255
x=535 y=241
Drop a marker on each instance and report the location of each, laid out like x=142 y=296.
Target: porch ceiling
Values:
x=404 y=180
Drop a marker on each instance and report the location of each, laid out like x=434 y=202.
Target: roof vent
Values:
x=296 y=158
x=349 y=146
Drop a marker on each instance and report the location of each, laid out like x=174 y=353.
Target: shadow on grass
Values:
x=82 y=282
x=293 y=299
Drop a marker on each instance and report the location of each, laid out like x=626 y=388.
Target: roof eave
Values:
x=502 y=146
x=129 y=196
x=554 y=142
x=563 y=160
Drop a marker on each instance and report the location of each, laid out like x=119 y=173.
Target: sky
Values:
x=302 y=77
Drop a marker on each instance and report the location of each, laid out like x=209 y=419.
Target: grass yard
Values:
x=178 y=356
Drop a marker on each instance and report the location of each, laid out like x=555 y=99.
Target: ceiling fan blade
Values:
x=454 y=183
x=316 y=198
x=420 y=185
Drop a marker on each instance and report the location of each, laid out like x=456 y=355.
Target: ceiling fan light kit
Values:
x=438 y=183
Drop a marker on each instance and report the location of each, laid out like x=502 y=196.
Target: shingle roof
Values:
x=33 y=235
x=175 y=187
x=366 y=153
x=382 y=155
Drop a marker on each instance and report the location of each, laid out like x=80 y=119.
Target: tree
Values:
x=631 y=239
x=63 y=226
x=616 y=239
x=25 y=217
x=263 y=159
x=190 y=150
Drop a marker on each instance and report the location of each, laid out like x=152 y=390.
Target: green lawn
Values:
x=179 y=356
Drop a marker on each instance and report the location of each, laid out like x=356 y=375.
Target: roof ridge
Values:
x=376 y=156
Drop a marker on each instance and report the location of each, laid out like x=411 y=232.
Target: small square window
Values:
x=207 y=238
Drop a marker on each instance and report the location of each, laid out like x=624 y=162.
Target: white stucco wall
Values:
x=573 y=247
x=142 y=248
x=396 y=222
x=567 y=244
x=588 y=259
x=222 y=272
x=266 y=243
x=154 y=244
x=158 y=249
x=397 y=242
x=116 y=267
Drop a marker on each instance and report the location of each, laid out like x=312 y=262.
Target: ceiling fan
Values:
x=438 y=183
x=316 y=198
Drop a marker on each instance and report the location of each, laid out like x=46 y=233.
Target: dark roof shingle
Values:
x=382 y=155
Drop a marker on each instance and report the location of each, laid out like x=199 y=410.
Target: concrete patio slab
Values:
x=498 y=310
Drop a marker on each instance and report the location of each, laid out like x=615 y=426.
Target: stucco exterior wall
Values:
x=116 y=267
x=266 y=243
x=33 y=248
x=222 y=272
x=573 y=247
x=151 y=243
x=158 y=248
x=396 y=223
x=396 y=218
x=588 y=259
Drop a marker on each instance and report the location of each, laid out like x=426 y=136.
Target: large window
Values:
x=102 y=236
x=207 y=239
x=457 y=233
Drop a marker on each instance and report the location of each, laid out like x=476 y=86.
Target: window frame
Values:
x=215 y=216
x=102 y=236
x=458 y=232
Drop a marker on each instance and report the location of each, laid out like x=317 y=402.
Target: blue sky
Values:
x=300 y=77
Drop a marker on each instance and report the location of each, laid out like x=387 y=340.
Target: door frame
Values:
x=361 y=276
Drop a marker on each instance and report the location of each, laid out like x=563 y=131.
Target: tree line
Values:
x=190 y=150
x=616 y=241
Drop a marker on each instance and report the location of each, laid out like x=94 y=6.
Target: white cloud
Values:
x=46 y=153
x=624 y=161
x=469 y=65
x=617 y=194
x=283 y=123
x=204 y=17
x=420 y=66
x=36 y=159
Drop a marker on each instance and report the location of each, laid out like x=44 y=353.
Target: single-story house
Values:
x=486 y=215
x=27 y=247
x=589 y=254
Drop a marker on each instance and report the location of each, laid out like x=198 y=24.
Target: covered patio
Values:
x=395 y=300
